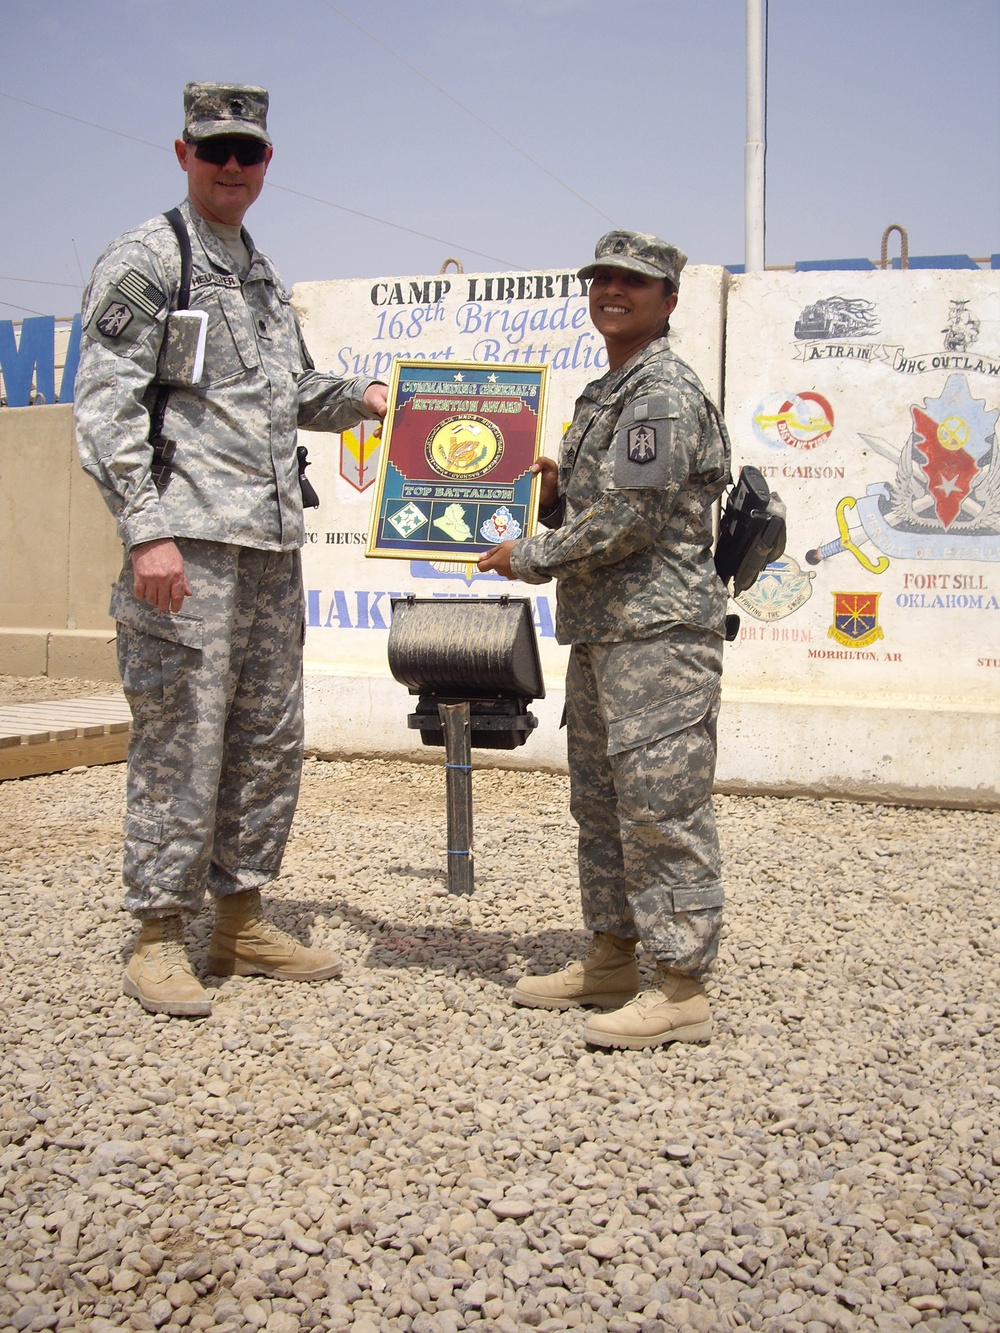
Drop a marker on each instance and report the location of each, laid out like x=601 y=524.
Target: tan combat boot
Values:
x=675 y=1009
x=159 y=974
x=607 y=977
x=245 y=943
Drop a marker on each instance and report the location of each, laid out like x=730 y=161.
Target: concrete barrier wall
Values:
x=58 y=552
x=868 y=665
x=359 y=327
x=869 y=658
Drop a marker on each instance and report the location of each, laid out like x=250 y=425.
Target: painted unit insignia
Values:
x=501 y=526
x=781 y=589
x=798 y=420
x=943 y=502
x=115 y=319
x=464 y=447
x=446 y=569
x=408 y=519
x=837 y=317
x=962 y=328
x=855 y=619
x=359 y=454
x=641 y=443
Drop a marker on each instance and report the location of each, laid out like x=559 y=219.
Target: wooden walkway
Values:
x=47 y=737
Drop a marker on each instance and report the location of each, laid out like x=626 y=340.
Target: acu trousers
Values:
x=641 y=719
x=215 y=754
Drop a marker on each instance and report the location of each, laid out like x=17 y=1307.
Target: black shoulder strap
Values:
x=176 y=219
x=161 y=453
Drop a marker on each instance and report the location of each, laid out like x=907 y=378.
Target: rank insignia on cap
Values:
x=138 y=289
x=115 y=320
x=641 y=443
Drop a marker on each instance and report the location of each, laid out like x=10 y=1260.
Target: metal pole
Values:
x=753 y=153
x=458 y=767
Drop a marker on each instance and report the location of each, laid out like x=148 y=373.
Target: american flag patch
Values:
x=141 y=292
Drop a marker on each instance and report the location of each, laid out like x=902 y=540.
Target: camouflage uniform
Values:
x=642 y=606
x=215 y=690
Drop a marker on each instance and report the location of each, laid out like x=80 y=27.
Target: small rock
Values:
x=193 y=1270
x=283 y=1321
x=306 y=1244
x=511 y=1208
x=679 y=1151
x=254 y=1313
x=474 y=1296
x=603 y=1247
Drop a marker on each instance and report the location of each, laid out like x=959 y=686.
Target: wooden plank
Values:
x=46 y=736
x=25 y=761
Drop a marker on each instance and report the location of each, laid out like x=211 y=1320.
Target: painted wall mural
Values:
x=871 y=404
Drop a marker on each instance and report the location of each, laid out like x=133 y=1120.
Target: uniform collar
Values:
x=210 y=243
x=605 y=389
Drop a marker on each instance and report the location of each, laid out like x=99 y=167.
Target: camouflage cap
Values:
x=211 y=109
x=638 y=252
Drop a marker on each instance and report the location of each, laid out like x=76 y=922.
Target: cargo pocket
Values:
x=156 y=654
x=143 y=839
x=664 y=757
x=699 y=900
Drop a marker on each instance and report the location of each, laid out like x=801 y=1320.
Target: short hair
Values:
x=669 y=289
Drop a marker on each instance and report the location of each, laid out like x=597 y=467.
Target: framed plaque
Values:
x=455 y=469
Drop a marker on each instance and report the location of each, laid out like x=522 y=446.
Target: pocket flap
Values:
x=699 y=900
x=126 y=610
x=665 y=718
x=142 y=828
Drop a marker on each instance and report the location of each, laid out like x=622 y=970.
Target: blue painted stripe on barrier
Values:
x=814 y=265
x=939 y=261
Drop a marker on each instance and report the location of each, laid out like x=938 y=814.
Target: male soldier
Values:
x=629 y=505
x=209 y=605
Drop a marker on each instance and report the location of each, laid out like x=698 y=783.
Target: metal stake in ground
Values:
x=458 y=769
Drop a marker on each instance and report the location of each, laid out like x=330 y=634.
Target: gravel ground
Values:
x=404 y=1149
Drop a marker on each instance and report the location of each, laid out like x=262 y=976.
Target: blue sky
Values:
x=879 y=111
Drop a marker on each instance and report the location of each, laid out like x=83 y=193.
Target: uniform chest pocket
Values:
x=230 y=347
x=277 y=330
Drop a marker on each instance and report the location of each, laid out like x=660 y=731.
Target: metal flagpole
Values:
x=753 y=153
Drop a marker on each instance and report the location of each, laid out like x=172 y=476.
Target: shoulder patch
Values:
x=138 y=289
x=641 y=443
x=114 y=319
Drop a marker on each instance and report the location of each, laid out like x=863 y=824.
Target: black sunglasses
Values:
x=248 y=152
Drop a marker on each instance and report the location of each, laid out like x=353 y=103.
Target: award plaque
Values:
x=455 y=469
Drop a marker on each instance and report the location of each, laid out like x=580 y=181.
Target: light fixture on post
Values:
x=474 y=667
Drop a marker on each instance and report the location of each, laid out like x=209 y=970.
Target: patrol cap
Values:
x=640 y=253
x=211 y=109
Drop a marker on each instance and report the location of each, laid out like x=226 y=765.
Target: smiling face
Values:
x=628 y=309
x=221 y=193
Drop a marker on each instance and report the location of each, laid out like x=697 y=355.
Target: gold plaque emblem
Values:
x=464 y=447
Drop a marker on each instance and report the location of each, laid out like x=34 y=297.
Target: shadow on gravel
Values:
x=446 y=948
x=450 y=949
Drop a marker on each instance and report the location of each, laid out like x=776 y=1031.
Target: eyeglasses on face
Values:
x=218 y=151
